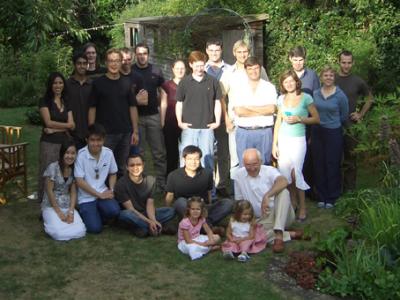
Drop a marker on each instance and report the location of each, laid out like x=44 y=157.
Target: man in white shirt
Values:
x=94 y=164
x=265 y=188
x=254 y=105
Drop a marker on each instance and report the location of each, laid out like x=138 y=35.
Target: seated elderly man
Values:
x=266 y=189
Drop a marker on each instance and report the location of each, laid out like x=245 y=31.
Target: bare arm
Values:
x=279 y=185
x=178 y=113
x=52 y=198
x=367 y=105
x=278 y=122
x=154 y=225
x=169 y=198
x=112 y=179
x=163 y=106
x=252 y=111
x=70 y=215
x=217 y=115
x=211 y=240
x=45 y=114
x=312 y=119
x=92 y=115
x=134 y=121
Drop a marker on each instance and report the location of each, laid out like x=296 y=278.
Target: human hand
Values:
x=135 y=138
x=155 y=227
x=108 y=194
x=355 y=116
x=214 y=125
x=70 y=217
x=62 y=216
x=229 y=125
x=265 y=205
x=142 y=97
x=292 y=119
x=48 y=130
x=183 y=125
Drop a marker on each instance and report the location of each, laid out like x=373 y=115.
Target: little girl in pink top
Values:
x=244 y=235
x=190 y=241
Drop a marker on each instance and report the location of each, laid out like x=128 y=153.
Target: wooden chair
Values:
x=13 y=163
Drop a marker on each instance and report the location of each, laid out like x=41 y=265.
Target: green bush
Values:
x=33 y=116
x=23 y=75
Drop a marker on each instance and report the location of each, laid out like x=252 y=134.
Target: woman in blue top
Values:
x=295 y=109
x=327 y=138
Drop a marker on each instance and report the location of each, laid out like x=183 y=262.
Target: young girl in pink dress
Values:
x=190 y=241
x=244 y=235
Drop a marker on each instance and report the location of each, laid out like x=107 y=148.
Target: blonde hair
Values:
x=327 y=68
x=240 y=43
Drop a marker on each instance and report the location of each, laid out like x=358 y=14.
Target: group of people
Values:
x=96 y=122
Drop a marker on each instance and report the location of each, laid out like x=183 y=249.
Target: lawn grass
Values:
x=116 y=265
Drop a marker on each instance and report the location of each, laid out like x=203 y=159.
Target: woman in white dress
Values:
x=295 y=110
x=61 y=220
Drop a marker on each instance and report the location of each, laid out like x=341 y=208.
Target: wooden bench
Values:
x=13 y=162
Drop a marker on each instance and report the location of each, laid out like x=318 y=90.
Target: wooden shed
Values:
x=169 y=37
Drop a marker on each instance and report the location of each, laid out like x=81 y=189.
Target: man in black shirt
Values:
x=150 y=122
x=113 y=104
x=135 y=193
x=79 y=87
x=193 y=180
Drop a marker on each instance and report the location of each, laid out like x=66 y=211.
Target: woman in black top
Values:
x=57 y=121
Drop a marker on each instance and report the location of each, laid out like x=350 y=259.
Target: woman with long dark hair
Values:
x=57 y=121
x=61 y=220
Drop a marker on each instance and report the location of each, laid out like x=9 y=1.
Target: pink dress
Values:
x=195 y=251
x=240 y=230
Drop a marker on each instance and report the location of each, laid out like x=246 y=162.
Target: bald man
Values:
x=266 y=189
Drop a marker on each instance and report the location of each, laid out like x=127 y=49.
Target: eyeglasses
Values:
x=96 y=170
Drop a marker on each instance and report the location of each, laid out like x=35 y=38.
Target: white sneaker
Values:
x=228 y=255
x=33 y=196
x=243 y=257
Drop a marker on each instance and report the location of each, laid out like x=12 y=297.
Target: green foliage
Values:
x=23 y=74
x=33 y=116
x=360 y=272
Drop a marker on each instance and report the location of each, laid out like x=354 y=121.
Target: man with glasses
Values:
x=113 y=105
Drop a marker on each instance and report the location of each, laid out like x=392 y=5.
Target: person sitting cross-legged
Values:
x=265 y=188
x=134 y=191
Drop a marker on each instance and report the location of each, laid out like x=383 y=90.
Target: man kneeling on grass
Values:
x=134 y=191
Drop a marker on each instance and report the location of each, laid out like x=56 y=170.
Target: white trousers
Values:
x=59 y=230
x=194 y=250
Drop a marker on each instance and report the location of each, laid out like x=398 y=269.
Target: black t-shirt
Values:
x=96 y=73
x=78 y=102
x=182 y=185
x=57 y=116
x=354 y=87
x=152 y=79
x=136 y=82
x=198 y=100
x=138 y=194
x=112 y=99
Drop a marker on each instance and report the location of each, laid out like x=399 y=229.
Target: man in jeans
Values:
x=94 y=165
x=198 y=108
x=135 y=193
x=113 y=105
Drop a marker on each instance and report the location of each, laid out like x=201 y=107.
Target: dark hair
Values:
x=251 y=61
x=78 y=55
x=345 y=53
x=196 y=199
x=239 y=207
x=87 y=45
x=49 y=95
x=298 y=51
x=126 y=50
x=290 y=73
x=136 y=155
x=96 y=129
x=142 y=45
x=214 y=41
x=191 y=149
x=176 y=61
x=63 y=149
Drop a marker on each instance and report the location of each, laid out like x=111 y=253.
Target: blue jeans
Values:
x=163 y=215
x=202 y=138
x=94 y=213
x=261 y=139
x=327 y=152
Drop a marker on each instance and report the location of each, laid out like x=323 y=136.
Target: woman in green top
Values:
x=295 y=110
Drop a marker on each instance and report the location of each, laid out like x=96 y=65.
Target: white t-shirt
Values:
x=239 y=229
x=253 y=189
x=87 y=167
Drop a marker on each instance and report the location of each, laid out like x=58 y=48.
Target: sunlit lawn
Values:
x=114 y=264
